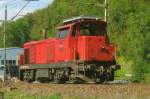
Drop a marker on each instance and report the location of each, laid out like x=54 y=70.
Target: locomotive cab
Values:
x=84 y=39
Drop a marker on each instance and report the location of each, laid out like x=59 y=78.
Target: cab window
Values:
x=92 y=29
x=62 y=33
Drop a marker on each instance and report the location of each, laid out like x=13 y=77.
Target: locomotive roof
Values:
x=75 y=19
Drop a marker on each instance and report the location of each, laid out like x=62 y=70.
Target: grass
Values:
x=19 y=95
x=126 y=68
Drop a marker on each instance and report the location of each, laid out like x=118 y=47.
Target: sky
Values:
x=15 y=5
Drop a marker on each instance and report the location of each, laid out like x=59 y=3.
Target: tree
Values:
x=129 y=28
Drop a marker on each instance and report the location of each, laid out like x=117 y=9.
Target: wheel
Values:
x=61 y=76
x=26 y=76
x=21 y=75
x=99 y=78
x=29 y=75
x=112 y=76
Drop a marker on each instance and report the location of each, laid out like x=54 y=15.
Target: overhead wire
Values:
x=13 y=4
x=20 y=10
x=10 y=4
x=2 y=6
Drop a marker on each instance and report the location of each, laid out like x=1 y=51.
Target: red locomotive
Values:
x=80 y=52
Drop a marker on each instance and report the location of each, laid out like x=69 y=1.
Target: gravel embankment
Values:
x=88 y=91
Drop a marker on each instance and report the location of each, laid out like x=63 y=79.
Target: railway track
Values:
x=71 y=82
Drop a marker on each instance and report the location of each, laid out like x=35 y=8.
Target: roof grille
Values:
x=80 y=18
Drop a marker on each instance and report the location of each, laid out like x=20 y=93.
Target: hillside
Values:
x=129 y=28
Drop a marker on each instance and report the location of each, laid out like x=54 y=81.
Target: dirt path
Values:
x=88 y=91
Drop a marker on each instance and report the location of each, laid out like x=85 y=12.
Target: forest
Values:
x=128 y=28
